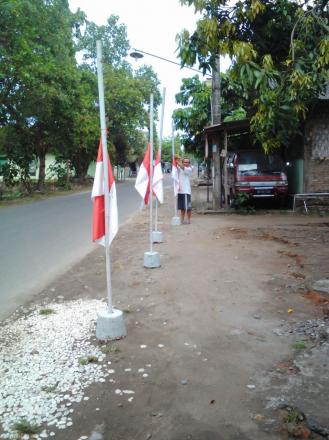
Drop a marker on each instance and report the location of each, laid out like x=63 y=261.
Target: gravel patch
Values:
x=41 y=369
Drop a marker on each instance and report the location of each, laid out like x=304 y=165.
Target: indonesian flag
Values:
x=174 y=175
x=158 y=179
x=98 y=199
x=142 y=184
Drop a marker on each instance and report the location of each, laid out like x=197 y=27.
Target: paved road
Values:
x=38 y=241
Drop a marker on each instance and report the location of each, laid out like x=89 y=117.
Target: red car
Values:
x=257 y=174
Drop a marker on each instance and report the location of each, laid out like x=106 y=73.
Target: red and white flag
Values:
x=98 y=199
x=142 y=184
x=158 y=179
x=174 y=175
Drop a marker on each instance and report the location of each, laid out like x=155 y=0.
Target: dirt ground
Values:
x=219 y=321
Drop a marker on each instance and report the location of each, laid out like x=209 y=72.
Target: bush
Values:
x=59 y=171
x=243 y=203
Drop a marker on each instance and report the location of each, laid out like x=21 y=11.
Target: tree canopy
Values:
x=280 y=58
x=49 y=100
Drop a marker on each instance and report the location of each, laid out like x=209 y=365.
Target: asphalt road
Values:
x=41 y=240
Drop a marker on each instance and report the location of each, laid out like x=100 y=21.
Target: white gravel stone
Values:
x=40 y=374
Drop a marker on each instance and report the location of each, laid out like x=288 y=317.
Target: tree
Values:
x=49 y=104
x=114 y=41
x=279 y=80
x=166 y=152
x=195 y=113
x=39 y=79
x=126 y=92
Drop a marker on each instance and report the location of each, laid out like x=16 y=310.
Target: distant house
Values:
x=307 y=157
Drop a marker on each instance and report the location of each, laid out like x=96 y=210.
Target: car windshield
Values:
x=252 y=163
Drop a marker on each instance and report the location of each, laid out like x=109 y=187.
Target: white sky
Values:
x=152 y=26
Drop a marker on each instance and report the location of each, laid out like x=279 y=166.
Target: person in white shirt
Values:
x=184 y=192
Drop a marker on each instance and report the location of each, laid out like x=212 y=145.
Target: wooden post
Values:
x=216 y=119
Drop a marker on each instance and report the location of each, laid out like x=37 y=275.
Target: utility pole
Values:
x=216 y=119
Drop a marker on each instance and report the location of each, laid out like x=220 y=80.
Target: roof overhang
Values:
x=233 y=127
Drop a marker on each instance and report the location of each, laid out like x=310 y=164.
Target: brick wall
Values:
x=316 y=150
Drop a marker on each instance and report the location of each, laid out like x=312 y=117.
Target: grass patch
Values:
x=17 y=197
x=299 y=345
x=26 y=427
x=49 y=388
x=46 y=312
x=88 y=360
x=109 y=349
x=294 y=416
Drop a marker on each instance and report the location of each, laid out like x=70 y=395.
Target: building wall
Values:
x=316 y=150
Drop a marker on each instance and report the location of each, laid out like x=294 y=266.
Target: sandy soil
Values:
x=210 y=319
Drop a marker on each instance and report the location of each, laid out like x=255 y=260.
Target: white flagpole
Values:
x=151 y=172
x=173 y=153
x=106 y=174
x=160 y=150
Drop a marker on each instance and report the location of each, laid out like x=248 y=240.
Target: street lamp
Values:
x=138 y=54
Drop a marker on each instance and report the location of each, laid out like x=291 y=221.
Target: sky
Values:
x=152 y=26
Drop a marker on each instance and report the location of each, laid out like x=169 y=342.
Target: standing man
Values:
x=184 y=193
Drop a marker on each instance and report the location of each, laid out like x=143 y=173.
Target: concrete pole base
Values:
x=157 y=237
x=110 y=326
x=151 y=260
x=175 y=221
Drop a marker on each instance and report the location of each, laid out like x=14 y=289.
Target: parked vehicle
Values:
x=256 y=174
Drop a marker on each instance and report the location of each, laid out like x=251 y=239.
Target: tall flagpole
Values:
x=151 y=171
x=173 y=154
x=160 y=150
x=151 y=258
x=106 y=173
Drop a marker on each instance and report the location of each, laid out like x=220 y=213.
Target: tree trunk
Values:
x=42 y=170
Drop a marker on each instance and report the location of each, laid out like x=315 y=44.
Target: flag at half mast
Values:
x=142 y=184
x=157 y=182
x=98 y=198
x=174 y=175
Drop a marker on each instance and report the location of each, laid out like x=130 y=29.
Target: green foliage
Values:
x=243 y=203
x=166 y=153
x=236 y=115
x=38 y=77
x=280 y=55
x=299 y=345
x=110 y=349
x=195 y=114
x=49 y=104
x=25 y=427
x=61 y=172
x=293 y=416
x=88 y=360
x=114 y=40
x=46 y=312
